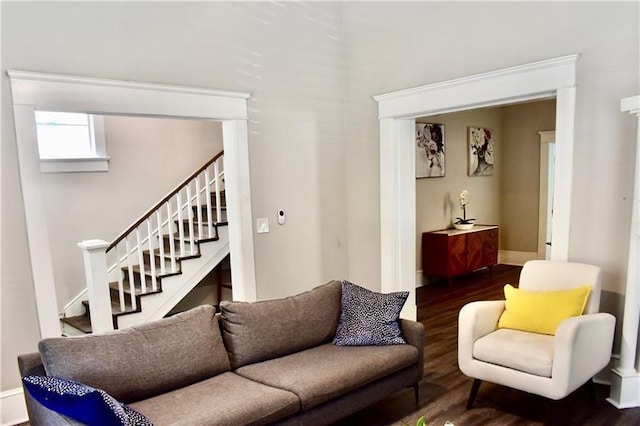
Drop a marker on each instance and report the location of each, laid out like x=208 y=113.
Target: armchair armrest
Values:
x=476 y=319
x=582 y=348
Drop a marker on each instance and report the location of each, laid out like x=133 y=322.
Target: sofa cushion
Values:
x=142 y=361
x=328 y=371
x=519 y=350
x=369 y=318
x=263 y=330
x=226 y=399
x=82 y=402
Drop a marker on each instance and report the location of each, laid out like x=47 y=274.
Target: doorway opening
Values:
x=508 y=195
x=36 y=91
x=553 y=78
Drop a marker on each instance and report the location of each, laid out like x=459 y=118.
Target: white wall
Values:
x=312 y=69
x=393 y=46
x=289 y=56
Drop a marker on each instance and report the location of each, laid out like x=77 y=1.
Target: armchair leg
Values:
x=592 y=391
x=474 y=391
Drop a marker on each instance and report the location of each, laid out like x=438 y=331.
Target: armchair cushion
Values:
x=519 y=350
x=541 y=311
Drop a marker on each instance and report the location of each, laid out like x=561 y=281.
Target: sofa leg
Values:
x=416 y=393
x=474 y=391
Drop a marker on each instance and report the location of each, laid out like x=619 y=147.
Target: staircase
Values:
x=161 y=257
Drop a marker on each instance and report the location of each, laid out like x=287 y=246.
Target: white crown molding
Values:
x=71 y=79
x=101 y=96
x=537 y=80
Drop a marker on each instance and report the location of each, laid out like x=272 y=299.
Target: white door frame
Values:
x=397 y=112
x=547 y=139
x=31 y=91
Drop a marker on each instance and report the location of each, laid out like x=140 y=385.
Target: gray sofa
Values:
x=268 y=362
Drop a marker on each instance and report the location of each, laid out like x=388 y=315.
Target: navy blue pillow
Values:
x=369 y=318
x=88 y=405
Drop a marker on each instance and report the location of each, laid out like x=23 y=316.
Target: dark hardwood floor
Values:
x=444 y=389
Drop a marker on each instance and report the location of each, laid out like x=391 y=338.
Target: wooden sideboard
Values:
x=451 y=252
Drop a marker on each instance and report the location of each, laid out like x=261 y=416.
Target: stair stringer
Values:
x=175 y=288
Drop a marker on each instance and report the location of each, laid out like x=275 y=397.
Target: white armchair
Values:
x=550 y=366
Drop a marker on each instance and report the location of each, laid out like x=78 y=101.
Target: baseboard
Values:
x=518 y=258
x=604 y=376
x=13 y=409
x=420 y=279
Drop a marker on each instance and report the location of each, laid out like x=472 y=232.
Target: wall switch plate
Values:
x=262 y=225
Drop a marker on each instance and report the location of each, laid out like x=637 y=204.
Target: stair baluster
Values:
x=132 y=288
x=207 y=187
x=191 y=228
x=120 y=279
x=172 y=243
x=180 y=224
x=163 y=266
x=152 y=257
x=152 y=233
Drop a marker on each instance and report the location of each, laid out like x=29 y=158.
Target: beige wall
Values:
x=520 y=190
x=289 y=57
x=149 y=158
x=312 y=69
x=437 y=198
x=508 y=198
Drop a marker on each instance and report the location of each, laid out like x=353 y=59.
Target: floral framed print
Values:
x=429 y=150
x=481 y=153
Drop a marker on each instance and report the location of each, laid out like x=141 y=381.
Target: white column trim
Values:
x=32 y=91
x=625 y=383
x=538 y=80
x=237 y=185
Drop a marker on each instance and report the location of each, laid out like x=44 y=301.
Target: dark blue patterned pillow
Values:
x=369 y=318
x=93 y=407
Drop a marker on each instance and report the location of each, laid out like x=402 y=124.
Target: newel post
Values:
x=95 y=268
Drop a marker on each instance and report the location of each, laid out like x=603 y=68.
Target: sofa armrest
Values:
x=413 y=333
x=31 y=364
x=476 y=319
x=582 y=347
x=39 y=415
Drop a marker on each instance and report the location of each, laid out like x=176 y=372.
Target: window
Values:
x=70 y=142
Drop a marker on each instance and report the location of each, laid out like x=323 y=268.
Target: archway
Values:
x=31 y=91
x=397 y=112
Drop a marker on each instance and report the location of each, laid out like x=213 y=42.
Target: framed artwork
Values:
x=481 y=152
x=429 y=150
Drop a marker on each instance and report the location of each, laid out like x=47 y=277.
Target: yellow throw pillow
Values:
x=541 y=311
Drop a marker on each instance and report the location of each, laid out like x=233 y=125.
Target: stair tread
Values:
x=81 y=322
x=137 y=287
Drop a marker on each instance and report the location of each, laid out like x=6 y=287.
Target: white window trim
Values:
x=97 y=163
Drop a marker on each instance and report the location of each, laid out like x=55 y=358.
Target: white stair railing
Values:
x=153 y=244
